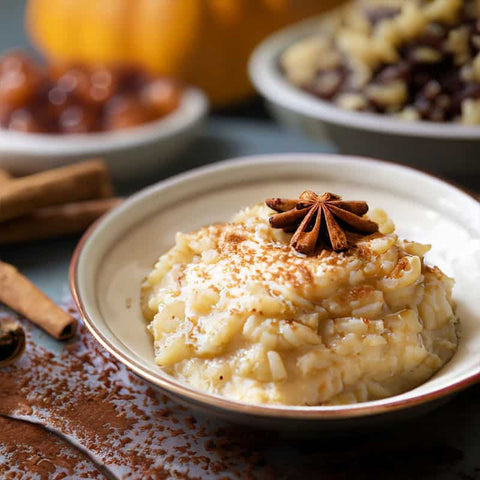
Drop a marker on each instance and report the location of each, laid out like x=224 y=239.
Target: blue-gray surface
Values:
x=442 y=445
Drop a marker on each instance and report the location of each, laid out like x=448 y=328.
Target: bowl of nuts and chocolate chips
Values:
x=406 y=71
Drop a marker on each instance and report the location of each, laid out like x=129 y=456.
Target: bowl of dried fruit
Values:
x=388 y=79
x=51 y=115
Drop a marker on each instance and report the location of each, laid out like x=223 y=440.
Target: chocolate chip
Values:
x=422 y=105
x=471 y=90
x=431 y=90
x=327 y=83
x=437 y=114
x=433 y=36
x=399 y=71
x=377 y=15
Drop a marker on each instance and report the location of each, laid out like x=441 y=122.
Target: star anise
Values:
x=313 y=217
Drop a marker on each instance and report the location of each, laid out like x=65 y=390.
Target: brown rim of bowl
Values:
x=287 y=411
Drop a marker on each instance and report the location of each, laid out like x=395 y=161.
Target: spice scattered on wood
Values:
x=34 y=452
x=137 y=433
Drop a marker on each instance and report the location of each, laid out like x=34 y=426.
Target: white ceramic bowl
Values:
x=116 y=254
x=130 y=153
x=448 y=147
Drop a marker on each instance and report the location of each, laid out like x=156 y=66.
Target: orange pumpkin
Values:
x=204 y=42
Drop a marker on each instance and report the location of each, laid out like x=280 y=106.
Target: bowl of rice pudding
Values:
x=303 y=312
x=391 y=79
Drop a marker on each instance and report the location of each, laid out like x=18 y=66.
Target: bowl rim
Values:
x=173 y=386
x=271 y=83
x=193 y=106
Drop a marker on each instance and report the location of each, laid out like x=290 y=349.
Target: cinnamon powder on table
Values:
x=33 y=451
x=88 y=396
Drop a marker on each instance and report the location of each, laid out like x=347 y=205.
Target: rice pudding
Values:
x=235 y=311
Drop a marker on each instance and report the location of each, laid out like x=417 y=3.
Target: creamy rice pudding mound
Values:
x=236 y=311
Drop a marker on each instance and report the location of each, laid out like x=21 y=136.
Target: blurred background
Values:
x=202 y=43
x=66 y=86
x=164 y=46
x=205 y=43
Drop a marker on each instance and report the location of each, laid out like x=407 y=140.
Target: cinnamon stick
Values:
x=82 y=181
x=21 y=295
x=4 y=176
x=56 y=221
x=12 y=341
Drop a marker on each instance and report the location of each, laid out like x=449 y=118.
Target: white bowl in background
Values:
x=130 y=153
x=447 y=147
x=116 y=254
